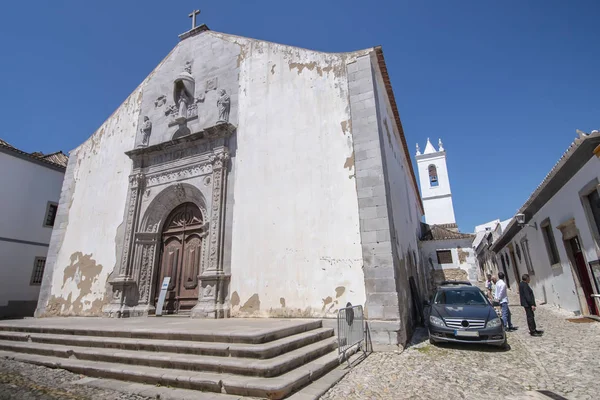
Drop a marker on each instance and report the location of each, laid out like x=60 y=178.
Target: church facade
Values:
x=264 y=180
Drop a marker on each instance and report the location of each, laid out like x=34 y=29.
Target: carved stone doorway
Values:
x=182 y=251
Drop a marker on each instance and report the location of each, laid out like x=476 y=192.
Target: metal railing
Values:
x=352 y=330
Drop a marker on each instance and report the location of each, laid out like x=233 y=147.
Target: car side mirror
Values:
x=426 y=303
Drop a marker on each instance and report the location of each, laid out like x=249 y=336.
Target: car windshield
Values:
x=460 y=297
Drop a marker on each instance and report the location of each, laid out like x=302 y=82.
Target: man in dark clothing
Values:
x=528 y=302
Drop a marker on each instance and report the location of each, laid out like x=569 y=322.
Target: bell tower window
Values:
x=433 y=176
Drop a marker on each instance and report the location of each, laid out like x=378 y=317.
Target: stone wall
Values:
x=452 y=274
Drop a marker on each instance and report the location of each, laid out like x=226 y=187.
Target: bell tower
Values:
x=435 y=186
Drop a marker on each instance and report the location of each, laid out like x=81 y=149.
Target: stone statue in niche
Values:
x=224 y=104
x=183 y=93
x=146 y=129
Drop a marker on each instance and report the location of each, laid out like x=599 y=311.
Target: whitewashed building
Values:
x=559 y=243
x=447 y=252
x=31 y=185
x=265 y=180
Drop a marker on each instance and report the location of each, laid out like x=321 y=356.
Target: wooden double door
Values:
x=181 y=258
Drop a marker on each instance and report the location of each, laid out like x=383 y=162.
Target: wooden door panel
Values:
x=182 y=256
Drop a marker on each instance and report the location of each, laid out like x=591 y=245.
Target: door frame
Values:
x=569 y=231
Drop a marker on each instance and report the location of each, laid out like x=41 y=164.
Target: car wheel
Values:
x=431 y=341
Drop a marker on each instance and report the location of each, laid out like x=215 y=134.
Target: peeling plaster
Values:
x=252 y=305
x=83 y=271
x=349 y=162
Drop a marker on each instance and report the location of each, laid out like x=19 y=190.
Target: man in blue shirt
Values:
x=501 y=296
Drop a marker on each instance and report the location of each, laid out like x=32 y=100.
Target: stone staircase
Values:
x=268 y=364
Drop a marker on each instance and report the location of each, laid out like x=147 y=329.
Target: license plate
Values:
x=466 y=333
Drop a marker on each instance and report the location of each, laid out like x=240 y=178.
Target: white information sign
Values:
x=162 y=296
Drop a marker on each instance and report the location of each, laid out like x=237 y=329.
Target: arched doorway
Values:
x=181 y=258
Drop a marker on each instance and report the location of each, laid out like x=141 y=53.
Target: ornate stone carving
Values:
x=182 y=173
x=160 y=101
x=188 y=67
x=211 y=84
x=145 y=274
x=171 y=110
x=208 y=292
x=223 y=104
x=219 y=161
x=180 y=192
x=179 y=153
x=146 y=130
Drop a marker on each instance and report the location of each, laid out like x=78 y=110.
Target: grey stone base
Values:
x=122 y=311
x=384 y=334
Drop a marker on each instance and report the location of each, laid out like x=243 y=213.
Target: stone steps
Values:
x=222 y=349
x=271 y=388
x=269 y=363
x=191 y=362
x=222 y=337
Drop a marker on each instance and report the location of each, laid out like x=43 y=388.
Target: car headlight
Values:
x=437 y=321
x=494 y=323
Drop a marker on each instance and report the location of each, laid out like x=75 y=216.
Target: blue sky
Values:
x=503 y=83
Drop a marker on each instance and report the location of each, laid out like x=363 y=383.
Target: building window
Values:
x=550 y=242
x=518 y=251
x=51 y=209
x=38 y=271
x=444 y=257
x=433 y=176
x=526 y=256
x=593 y=200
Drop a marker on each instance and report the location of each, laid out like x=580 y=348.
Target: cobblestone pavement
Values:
x=565 y=361
x=28 y=382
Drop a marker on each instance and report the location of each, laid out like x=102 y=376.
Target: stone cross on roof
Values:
x=193 y=17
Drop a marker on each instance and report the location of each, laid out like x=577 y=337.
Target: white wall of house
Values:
x=27 y=187
x=463 y=255
x=555 y=284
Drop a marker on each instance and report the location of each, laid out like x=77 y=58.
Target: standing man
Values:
x=501 y=296
x=528 y=302
x=488 y=286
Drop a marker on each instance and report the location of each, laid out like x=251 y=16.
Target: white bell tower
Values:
x=435 y=186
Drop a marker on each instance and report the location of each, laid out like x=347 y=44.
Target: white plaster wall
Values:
x=556 y=285
x=439 y=211
x=429 y=250
x=16 y=269
x=295 y=235
x=26 y=189
x=96 y=207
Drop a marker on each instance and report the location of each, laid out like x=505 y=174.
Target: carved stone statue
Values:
x=146 y=129
x=224 y=104
x=183 y=92
x=182 y=105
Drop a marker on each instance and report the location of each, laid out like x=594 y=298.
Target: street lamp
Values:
x=521 y=221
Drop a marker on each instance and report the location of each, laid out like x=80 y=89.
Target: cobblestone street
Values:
x=31 y=382
x=565 y=361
